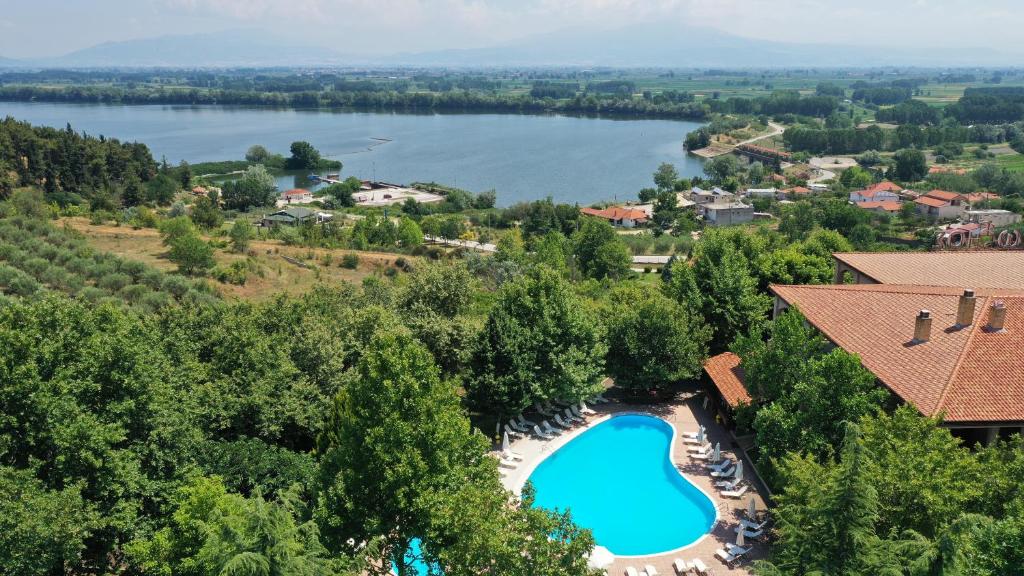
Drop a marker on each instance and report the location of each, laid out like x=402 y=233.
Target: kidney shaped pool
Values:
x=618 y=480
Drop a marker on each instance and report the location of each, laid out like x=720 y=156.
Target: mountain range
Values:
x=653 y=45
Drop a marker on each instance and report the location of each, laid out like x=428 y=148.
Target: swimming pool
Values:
x=617 y=478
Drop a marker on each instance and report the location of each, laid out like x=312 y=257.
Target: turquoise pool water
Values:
x=617 y=479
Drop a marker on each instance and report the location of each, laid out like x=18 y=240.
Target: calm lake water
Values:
x=522 y=157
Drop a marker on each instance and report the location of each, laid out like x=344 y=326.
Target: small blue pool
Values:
x=618 y=480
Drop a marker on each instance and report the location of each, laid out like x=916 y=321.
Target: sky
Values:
x=47 y=28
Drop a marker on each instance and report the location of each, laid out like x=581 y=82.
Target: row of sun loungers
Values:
x=647 y=571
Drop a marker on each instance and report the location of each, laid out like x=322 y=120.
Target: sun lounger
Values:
x=509 y=454
x=735 y=493
x=547 y=427
x=576 y=412
x=517 y=426
x=753 y=525
x=502 y=462
x=562 y=423
x=725 y=473
x=749 y=533
x=693 y=434
x=630 y=571
x=701 y=449
x=651 y=570
x=699 y=567
x=513 y=433
x=694 y=440
x=728 y=485
x=585 y=409
x=570 y=417
x=543 y=409
x=599 y=399
x=726 y=557
x=542 y=435
x=737 y=550
x=680 y=565
x=726 y=463
x=524 y=422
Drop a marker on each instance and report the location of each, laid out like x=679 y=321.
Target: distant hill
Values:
x=671 y=45
x=229 y=48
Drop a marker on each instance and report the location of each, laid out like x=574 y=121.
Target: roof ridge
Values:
x=975 y=327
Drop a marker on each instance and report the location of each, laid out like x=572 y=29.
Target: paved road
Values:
x=776 y=130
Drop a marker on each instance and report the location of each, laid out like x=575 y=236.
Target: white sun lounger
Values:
x=737 y=551
x=630 y=571
x=680 y=566
x=650 y=570
x=517 y=426
x=599 y=398
x=748 y=533
x=725 y=463
x=735 y=493
x=687 y=440
x=728 y=485
x=511 y=455
x=511 y=432
x=698 y=566
x=547 y=427
x=524 y=422
x=693 y=434
x=585 y=409
x=506 y=463
x=726 y=557
x=543 y=435
x=543 y=409
x=572 y=417
x=701 y=449
x=562 y=423
x=725 y=473
x=753 y=525
x=576 y=412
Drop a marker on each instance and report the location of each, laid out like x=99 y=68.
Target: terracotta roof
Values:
x=798 y=190
x=931 y=201
x=969 y=374
x=887 y=205
x=944 y=195
x=975 y=269
x=726 y=374
x=885 y=185
x=615 y=213
x=296 y=192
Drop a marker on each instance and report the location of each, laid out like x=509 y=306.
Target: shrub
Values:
x=134 y=292
x=114 y=282
x=177 y=286
x=350 y=261
x=92 y=294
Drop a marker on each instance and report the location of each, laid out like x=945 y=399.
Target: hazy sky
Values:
x=40 y=28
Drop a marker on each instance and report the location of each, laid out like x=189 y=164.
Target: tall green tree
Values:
x=654 y=342
x=395 y=440
x=599 y=251
x=539 y=343
x=304 y=156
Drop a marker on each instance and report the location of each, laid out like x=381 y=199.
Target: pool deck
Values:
x=685 y=414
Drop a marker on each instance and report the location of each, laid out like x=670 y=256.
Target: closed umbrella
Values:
x=738 y=475
x=717 y=456
x=740 y=539
x=752 y=508
x=700 y=436
x=600 y=558
x=504 y=442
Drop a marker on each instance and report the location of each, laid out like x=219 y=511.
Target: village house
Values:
x=796 y=192
x=297 y=196
x=884 y=206
x=941 y=205
x=294 y=216
x=998 y=218
x=882 y=192
x=618 y=216
x=728 y=213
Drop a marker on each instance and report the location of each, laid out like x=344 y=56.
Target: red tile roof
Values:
x=726 y=374
x=798 y=190
x=884 y=186
x=296 y=192
x=932 y=201
x=616 y=213
x=1002 y=269
x=887 y=205
x=944 y=195
x=969 y=374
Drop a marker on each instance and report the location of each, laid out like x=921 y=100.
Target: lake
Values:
x=522 y=157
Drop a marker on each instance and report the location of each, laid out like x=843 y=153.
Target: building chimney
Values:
x=922 y=327
x=965 y=309
x=996 y=317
